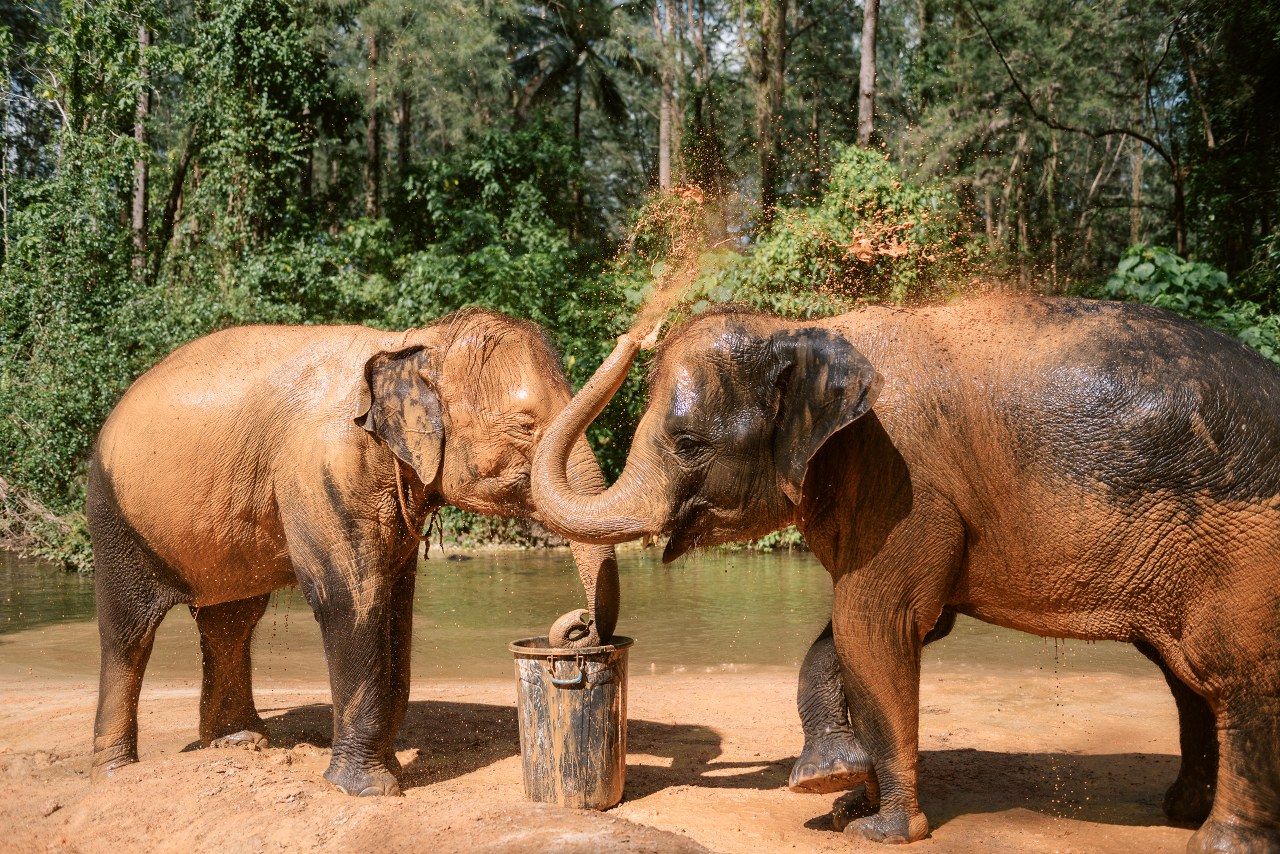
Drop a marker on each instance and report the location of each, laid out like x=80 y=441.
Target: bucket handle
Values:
x=572 y=682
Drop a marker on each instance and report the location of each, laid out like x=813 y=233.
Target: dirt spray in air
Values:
x=673 y=231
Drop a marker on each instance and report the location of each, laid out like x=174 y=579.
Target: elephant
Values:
x=1069 y=468
x=265 y=456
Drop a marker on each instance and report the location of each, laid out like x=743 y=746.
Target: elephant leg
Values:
x=401 y=643
x=349 y=582
x=1190 y=798
x=1245 y=818
x=885 y=604
x=227 y=714
x=126 y=635
x=832 y=759
x=133 y=590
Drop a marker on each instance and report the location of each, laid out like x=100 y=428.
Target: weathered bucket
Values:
x=573 y=722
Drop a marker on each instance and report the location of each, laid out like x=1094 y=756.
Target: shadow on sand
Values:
x=1117 y=788
x=456 y=738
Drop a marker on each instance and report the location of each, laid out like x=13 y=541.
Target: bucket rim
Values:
x=519 y=647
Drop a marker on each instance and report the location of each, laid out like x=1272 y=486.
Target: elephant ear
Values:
x=823 y=385
x=399 y=403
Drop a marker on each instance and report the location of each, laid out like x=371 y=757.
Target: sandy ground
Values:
x=1011 y=760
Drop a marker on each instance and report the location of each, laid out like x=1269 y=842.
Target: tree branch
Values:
x=1054 y=123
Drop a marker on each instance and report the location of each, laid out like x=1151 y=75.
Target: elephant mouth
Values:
x=677 y=546
x=685 y=533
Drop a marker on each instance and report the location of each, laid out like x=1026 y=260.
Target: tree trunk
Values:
x=867 y=74
x=404 y=132
x=771 y=79
x=306 y=180
x=1179 y=198
x=661 y=24
x=1135 y=196
x=373 y=136
x=664 y=132
x=140 y=166
x=172 y=204
x=577 y=108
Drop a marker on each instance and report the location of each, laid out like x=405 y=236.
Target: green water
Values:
x=708 y=612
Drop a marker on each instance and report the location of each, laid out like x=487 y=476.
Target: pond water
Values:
x=709 y=612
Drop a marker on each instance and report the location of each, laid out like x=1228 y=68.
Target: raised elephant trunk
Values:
x=616 y=515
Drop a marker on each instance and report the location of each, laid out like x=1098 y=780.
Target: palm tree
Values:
x=583 y=44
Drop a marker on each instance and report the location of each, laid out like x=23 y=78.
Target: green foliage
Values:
x=872 y=235
x=516 y=146
x=1156 y=276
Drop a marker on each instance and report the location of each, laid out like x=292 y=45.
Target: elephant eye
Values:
x=689 y=447
x=520 y=424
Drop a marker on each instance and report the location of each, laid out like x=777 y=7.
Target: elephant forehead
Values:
x=687 y=393
x=711 y=403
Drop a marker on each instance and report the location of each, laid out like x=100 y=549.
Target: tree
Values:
x=579 y=47
x=140 y=167
x=769 y=67
x=867 y=72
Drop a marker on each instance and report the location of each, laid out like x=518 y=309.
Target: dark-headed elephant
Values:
x=1068 y=468
x=266 y=456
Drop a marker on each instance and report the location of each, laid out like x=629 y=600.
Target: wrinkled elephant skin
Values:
x=260 y=457
x=1068 y=468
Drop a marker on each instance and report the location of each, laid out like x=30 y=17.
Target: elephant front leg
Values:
x=401 y=649
x=833 y=759
x=880 y=666
x=355 y=616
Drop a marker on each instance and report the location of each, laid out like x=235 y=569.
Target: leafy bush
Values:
x=872 y=236
x=1157 y=276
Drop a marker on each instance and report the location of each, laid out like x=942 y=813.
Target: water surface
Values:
x=708 y=612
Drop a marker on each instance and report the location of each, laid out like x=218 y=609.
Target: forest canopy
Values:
x=172 y=167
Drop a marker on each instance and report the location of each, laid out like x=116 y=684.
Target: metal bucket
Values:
x=573 y=722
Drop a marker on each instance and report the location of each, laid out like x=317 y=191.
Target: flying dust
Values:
x=853 y=247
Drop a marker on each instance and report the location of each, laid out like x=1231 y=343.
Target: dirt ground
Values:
x=1023 y=760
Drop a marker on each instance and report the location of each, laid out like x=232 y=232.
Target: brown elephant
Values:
x=266 y=456
x=1068 y=468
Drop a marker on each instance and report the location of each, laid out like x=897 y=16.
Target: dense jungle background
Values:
x=171 y=167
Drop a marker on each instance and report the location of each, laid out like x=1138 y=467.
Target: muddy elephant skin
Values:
x=260 y=457
x=1068 y=468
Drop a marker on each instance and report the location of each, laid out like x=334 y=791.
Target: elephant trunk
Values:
x=597 y=567
x=617 y=514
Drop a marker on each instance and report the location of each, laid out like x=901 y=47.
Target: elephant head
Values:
x=739 y=403
x=462 y=408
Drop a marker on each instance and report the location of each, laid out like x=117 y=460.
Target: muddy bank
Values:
x=1028 y=760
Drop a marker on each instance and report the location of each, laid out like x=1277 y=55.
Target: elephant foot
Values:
x=107 y=771
x=831 y=762
x=109 y=760
x=894 y=828
x=853 y=806
x=1220 y=837
x=362 y=781
x=1189 y=802
x=246 y=739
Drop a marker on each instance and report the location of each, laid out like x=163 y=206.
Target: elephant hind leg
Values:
x=227 y=714
x=133 y=590
x=126 y=640
x=1190 y=798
